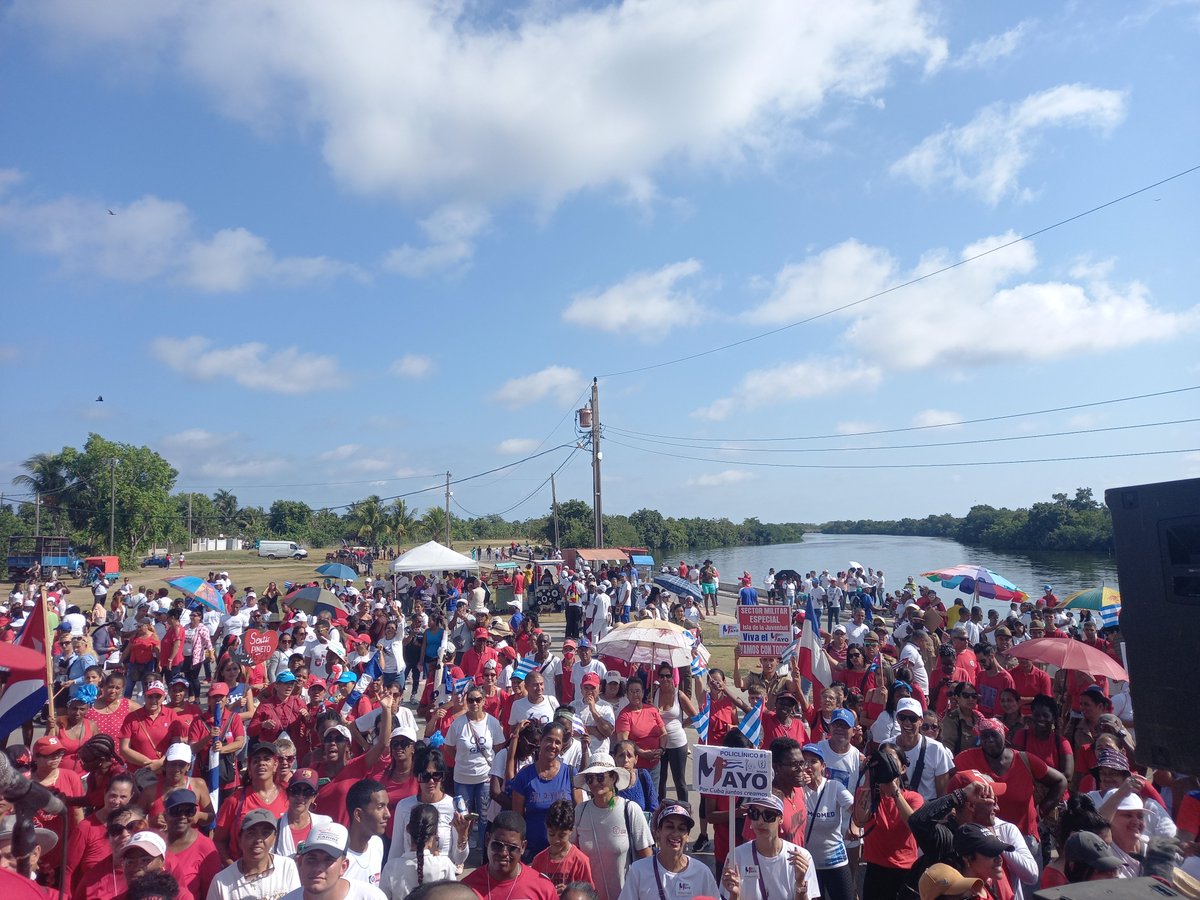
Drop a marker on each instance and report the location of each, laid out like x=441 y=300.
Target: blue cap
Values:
x=902 y=684
x=815 y=750
x=285 y=677
x=347 y=677
x=64 y=626
x=584 y=642
x=845 y=716
x=180 y=797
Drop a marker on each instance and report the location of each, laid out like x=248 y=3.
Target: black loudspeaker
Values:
x=1113 y=888
x=1156 y=530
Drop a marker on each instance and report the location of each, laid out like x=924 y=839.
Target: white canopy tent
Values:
x=433 y=557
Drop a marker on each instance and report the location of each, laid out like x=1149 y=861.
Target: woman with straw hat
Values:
x=609 y=827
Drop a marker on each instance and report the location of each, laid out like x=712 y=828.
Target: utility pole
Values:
x=112 y=506
x=37 y=514
x=189 y=546
x=447 y=509
x=597 y=511
x=554 y=506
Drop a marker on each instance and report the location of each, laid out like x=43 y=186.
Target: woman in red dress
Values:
x=112 y=706
x=77 y=730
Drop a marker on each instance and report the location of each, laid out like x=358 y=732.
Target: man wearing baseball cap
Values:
x=146 y=732
x=479 y=653
x=279 y=711
x=258 y=872
x=586 y=664
x=323 y=863
x=941 y=880
x=230 y=738
x=982 y=855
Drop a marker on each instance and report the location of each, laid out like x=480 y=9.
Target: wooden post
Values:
x=51 y=718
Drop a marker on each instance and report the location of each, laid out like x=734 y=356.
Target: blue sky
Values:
x=357 y=244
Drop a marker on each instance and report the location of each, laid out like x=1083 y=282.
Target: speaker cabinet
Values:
x=1156 y=531
x=1113 y=888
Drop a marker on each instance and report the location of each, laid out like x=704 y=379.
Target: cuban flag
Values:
x=789 y=654
x=371 y=672
x=26 y=694
x=1110 y=615
x=699 y=668
x=214 y=760
x=701 y=720
x=524 y=667
x=461 y=686
x=810 y=655
x=751 y=724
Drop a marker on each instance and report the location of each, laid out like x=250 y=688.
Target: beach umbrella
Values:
x=198 y=589
x=1093 y=598
x=650 y=641
x=979 y=581
x=857 y=565
x=1068 y=653
x=677 y=585
x=307 y=599
x=337 y=571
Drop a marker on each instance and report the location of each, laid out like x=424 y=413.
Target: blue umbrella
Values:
x=198 y=589
x=338 y=571
x=677 y=585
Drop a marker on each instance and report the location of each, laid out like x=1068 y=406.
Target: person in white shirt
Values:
x=768 y=866
x=595 y=616
x=323 y=864
x=403 y=874
x=535 y=705
x=595 y=715
x=585 y=664
x=367 y=809
x=858 y=629
x=259 y=872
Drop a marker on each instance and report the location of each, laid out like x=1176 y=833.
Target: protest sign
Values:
x=764 y=630
x=733 y=772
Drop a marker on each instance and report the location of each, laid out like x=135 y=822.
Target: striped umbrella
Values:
x=1093 y=598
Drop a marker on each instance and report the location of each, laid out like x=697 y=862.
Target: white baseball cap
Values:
x=179 y=753
x=331 y=838
x=148 y=841
x=909 y=705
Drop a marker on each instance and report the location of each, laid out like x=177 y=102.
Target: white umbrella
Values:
x=648 y=641
x=857 y=565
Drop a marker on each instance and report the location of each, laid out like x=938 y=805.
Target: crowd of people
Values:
x=415 y=742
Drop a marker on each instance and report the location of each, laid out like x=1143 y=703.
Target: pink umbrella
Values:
x=1067 y=653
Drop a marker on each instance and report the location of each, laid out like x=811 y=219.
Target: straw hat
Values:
x=602 y=764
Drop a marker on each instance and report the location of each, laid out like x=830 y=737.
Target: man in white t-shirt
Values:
x=595 y=616
x=367 y=808
x=586 y=664
x=535 y=705
x=259 y=872
x=858 y=629
x=763 y=876
x=931 y=757
x=596 y=715
x=547 y=663
x=323 y=864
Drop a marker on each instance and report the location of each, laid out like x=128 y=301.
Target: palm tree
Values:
x=367 y=520
x=225 y=505
x=434 y=523
x=251 y=522
x=401 y=523
x=47 y=475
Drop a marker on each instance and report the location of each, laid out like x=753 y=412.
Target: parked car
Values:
x=159 y=561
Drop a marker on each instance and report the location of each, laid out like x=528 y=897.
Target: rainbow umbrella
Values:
x=979 y=581
x=1093 y=598
x=198 y=589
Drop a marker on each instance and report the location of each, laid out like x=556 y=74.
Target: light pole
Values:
x=112 y=504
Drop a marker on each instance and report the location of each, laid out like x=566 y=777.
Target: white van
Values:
x=281 y=550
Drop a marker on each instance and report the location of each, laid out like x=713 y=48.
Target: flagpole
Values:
x=51 y=718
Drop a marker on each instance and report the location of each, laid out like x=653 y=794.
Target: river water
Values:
x=900 y=557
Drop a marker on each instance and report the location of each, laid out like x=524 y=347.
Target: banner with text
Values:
x=764 y=630
x=733 y=772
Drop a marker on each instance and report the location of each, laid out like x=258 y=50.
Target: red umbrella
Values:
x=21 y=660
x=1067 y=653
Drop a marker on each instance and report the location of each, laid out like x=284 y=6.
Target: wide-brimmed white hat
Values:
x=602 y=764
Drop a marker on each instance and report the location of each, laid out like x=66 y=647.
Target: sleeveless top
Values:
x=110 y=723
x=673 y=719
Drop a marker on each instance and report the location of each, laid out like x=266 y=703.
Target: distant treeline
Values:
x=1063 y=523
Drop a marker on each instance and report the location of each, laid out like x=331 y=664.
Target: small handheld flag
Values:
x=371 y=671
x=700 y=720
x=463 y=685
x=751 y=724
x=524 y=667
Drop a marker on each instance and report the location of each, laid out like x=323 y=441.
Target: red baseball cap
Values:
x=48 y=746
x=482 y=634
x=591 y=679
x=974 y=776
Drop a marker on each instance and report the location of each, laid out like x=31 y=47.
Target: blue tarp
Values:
x=642 y=560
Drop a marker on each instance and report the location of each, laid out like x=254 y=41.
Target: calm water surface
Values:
x=900 y=557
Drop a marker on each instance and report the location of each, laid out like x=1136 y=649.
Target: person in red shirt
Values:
x=48 y=755
x=982 y=855
x=192 y=858
x=170 y=654
x=148 y=731
x=964 y=653
x=991 y=679
x=943 y=679
x=1043 y=739
x=1016 y=769
x=1028 y=682
x=231 y=736
x=889 y=847
x=504 y=876
x=88 y=844
x=785 y=721
x=562 y=862
x=480 y=652
x=260 y=792
x=185 y=711
x=281 y=709
x=104 y=880
x=140 y=657
x=174 y=776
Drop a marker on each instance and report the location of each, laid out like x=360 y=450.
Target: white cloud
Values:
x=928 y=418
x=199 y=453
x=855 y=427
x=646 y=305
x=981 y=54
x=793 y=381
x=719 y=479
x=416 y=99
x=986 y=155
x=252 y=365
x=152 y=238
x=412 y=366
x=339 y=453
x=558 y=383
x=451 y=232
x=966 y=318
x=516 y=446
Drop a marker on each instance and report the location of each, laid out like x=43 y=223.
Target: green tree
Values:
x=433 y=524
x=328 y=528
x=651 y=527
x=367 y=522
x=225 y=507
x=401 y=522
x=251 y=523
x=290 y=519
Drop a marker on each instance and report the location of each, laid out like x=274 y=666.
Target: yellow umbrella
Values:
x=1093 y=598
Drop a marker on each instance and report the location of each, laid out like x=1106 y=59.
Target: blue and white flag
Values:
x=371 y=671
x=524 y=667
x=463 y=684
x=1110 y=615
x=698 y=667
x=790 y=653
x=751 y=724
x=700 y=720
x=214 y=759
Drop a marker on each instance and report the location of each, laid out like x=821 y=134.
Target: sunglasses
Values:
x=931 y=726
x=132 y=827
x=499 y=848
x=302 y=790
x=185 y=811
x=966 y=696
x=595 y=777
x=908 y=718
x=430 y=776
x=474 y=699
x=403 y=744
x=766 y=815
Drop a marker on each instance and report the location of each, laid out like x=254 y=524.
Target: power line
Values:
x=948 y=465
x=821 y=437
x=901 y=285
x=859 y=449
